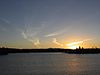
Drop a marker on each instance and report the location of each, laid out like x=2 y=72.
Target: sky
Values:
x=49 y=23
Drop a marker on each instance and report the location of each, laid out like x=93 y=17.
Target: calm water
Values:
x=49 y=64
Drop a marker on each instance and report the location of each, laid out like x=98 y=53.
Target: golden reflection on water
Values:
x=75 y=65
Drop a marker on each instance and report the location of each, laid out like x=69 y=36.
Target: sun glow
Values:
x=73 y=47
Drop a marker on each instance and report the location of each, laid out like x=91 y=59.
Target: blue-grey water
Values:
x=50 y=64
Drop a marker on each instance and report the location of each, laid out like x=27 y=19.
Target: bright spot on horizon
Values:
x=73 y=47
x=75 y=43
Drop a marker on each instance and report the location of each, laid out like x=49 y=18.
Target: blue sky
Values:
x=36 y=23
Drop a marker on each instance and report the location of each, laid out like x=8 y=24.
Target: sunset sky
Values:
x=49 y=23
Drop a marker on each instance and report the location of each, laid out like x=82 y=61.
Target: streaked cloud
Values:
x=36 y=42
x=2 y=27
x=78 y=42
x=56 y=42
x=5 y=20
x=58 y=32
x=26 y=37
x=55 y=33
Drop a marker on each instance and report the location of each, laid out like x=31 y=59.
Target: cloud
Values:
x=36 y=42
x=55 y=41
x=26 y=37
x=2 y=27
x=6 y=25
x=55 y=33
x=78 y=42
x=58 y=32
x=52 y=34
x=5 y=20
x=74 y=43
x=31 y=33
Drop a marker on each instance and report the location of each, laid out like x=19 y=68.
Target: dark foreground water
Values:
x=50 y=64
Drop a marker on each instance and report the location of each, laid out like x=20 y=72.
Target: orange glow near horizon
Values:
x=75 y=45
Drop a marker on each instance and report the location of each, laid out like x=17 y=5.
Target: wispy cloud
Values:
x=59 y=32
x=78 y=42
x=32 y=34
x=5 y=20
x=36 y=42
x=74 y=43
x=26 y=37
x=33 y=31
x=55 y=33
x=2 y=27
x=56 y=42
x=7 y=25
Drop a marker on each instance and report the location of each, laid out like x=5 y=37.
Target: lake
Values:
x=49 y=64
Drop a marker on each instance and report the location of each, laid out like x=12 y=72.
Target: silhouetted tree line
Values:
x=5 y=51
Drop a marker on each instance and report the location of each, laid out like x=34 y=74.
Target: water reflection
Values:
x=81 y=65
x=49 y=64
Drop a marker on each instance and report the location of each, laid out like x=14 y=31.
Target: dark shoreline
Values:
x=6 y=51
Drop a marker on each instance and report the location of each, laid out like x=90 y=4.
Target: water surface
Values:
x=50 y=64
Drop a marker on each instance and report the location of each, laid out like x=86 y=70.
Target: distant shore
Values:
x=5 y=51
